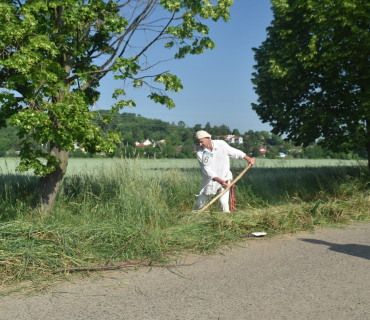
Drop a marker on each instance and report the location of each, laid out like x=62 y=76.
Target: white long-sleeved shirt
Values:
x=216 y=163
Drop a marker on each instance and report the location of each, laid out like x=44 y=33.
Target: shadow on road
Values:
x=356 y=250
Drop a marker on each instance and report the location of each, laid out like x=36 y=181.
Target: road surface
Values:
x=320 y=275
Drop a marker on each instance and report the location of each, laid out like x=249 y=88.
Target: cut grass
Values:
x=95 y=214
x=34 y=250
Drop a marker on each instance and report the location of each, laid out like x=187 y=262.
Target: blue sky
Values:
x=217 y=84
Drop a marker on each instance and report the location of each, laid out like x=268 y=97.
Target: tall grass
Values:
x=281 y=185
x=97 y=212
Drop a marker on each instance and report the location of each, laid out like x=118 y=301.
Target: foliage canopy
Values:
x=55 y=53
x=312 y=73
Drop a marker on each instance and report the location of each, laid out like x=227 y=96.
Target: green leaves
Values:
x=191 y=25
x=55 y=53
x=127 y=67
x=172 y=5
x=117 y=93
x=121 y=104
x=162 y=99
x=312 y=72
x=171 y=82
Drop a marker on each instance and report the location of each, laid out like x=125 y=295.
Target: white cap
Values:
x=202 y=134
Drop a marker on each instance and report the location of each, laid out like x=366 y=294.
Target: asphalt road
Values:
x=320 y=275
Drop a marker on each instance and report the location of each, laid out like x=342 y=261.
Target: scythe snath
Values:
x=228 y=187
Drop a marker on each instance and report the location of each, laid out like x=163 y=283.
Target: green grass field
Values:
x=102 y=203
x=78 y=166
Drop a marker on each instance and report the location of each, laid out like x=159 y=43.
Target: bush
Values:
x=187 y=152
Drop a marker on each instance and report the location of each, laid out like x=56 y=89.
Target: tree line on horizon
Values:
x=135 y=128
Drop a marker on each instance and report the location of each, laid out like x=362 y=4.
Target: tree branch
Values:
x=132 y=28
x=153 y=65
x=155 y=39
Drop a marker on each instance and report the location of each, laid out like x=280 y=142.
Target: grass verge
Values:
x=98 y=213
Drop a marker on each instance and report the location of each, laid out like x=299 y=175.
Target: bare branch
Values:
x=143 y=77
x=127 y=264
x=155 y=39
x=153 y=65
x=135 y=25
x=123 y=5
x=132 y=28
x=149 y=23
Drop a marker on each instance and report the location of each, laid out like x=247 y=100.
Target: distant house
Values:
x=263 y=151
x=282 y=155
x=238 y=140
x=231 y=138
x=144 y=144
x=141 y=145
x=75 y=145
x=178 y=149
x=147 y=142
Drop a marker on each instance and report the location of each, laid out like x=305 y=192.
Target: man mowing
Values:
x=213 y=157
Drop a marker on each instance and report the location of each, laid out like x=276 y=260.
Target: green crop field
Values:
x=83 y=165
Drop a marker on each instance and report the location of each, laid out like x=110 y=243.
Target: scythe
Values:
x=228 y=187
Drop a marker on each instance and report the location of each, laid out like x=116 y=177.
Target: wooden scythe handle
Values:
x=228 y=187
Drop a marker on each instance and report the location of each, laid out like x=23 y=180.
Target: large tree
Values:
x=313 y=73
x=53 y=55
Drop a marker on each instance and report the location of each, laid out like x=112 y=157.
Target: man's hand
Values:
x=223 y=183
x=250 y=160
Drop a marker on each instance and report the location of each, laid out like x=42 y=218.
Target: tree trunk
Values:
x=48 y=186
x=368 y=155
x=367 y=122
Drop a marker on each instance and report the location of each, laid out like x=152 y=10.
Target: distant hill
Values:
x=135 y=128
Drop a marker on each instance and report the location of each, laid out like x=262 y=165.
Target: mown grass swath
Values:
x=97 y=212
